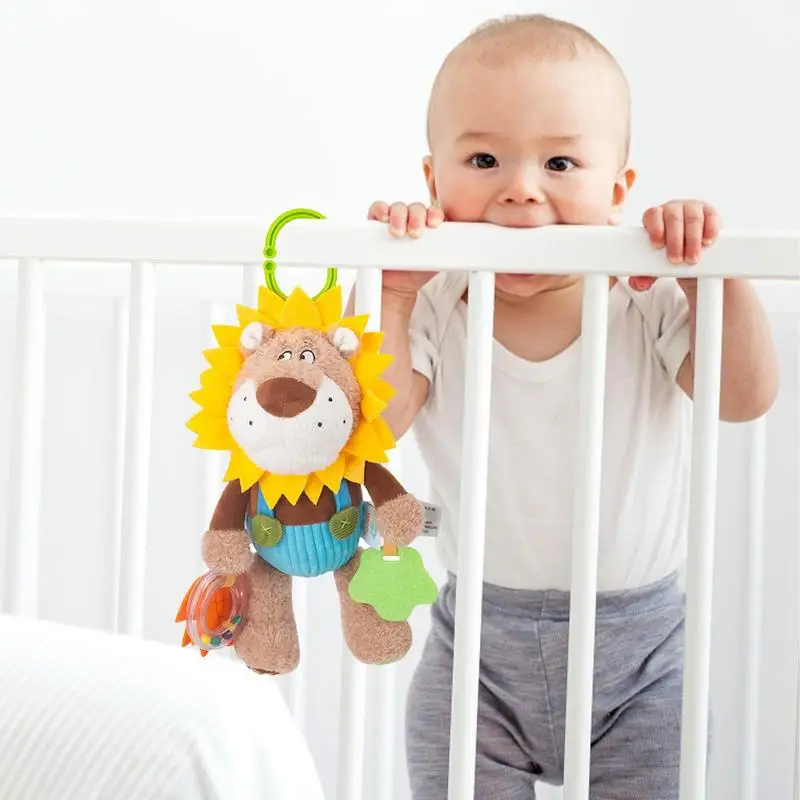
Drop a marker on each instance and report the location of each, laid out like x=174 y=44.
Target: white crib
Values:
x=111 y=318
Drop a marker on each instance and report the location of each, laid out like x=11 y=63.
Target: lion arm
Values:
x=226 y=545
x=398 y=514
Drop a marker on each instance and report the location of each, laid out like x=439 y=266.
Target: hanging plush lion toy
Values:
x=294 y=393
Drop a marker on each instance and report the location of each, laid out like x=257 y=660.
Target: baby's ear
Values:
x=345 y=341
x=253 y=336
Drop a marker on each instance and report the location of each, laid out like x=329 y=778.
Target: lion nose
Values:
x=285 y=397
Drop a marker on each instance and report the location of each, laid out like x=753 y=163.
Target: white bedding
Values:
x=92 y=716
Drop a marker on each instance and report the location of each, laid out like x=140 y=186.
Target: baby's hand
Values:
x=683 y=227
x=405 y=220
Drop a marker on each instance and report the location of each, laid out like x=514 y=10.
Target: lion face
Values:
x=296 y=401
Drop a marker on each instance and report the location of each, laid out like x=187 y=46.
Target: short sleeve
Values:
x=425 y=324
x=666 y=312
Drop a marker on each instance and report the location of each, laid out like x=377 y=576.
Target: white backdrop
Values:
x=239 y=111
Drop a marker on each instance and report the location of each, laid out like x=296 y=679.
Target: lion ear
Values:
x=253 y=336
x=345 y=341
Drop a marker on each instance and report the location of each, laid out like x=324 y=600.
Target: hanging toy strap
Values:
x=270 y=251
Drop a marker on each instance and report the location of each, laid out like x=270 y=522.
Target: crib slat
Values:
x=472 y=532
x=138 y=413
x=700 y=563
x=25 y=475
x=755 y=575
x=117 y=458
x=354 y=674
x=580 y=672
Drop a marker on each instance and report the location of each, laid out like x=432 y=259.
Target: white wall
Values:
x=241 y=110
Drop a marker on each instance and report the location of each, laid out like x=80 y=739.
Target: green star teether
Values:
x=394 y=588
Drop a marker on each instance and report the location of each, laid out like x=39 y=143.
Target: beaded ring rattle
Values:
x=213 y=609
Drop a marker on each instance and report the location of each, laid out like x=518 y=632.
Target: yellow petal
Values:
x=293 y=487
x=271 y=487
x=330 y=306
x=247 y=315
x=215 y=438
x=356 y=324
x=270 y=305
x=227 y=335
x=371 y=405
x=372 y=341
x=228 y=360
x=384 y=432
x=332 y=475
x=213 y=398
x=369 y=366
x=243 y=469
x=314 y=489
x=383 y=389
x=366 y=444
x=300 y=311
x=354 y=471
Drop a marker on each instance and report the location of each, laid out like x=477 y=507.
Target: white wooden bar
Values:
x=25 y=465
x=755 y=578
x=472 y=531
x=138 y=413
x=385 y=680
x=700 y=563
x=353 y=708
x=580 y=671
x=117 y=457
x=454 y=246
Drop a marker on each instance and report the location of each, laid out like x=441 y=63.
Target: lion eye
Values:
x=307 y=356
x=286 y=355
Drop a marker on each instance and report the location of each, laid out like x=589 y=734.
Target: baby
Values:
x=529 y=125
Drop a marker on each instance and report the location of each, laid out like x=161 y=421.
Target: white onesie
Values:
x=532 y=449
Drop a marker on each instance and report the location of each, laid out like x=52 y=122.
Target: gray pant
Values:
x=522 y=695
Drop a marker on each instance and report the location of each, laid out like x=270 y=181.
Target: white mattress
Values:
x=92 y=716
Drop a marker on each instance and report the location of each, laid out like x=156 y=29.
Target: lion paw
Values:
x=400 y=520
x=227 y=552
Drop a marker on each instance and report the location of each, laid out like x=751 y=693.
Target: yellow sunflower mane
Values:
x=370 y=439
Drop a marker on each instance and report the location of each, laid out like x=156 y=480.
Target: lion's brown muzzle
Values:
x=285 y=397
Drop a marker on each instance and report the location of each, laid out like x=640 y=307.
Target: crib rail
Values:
x=482 y=250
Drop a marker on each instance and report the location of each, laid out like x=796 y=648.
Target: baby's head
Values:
x=528 y=125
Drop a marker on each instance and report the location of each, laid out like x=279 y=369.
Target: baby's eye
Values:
x=307 y=356
x=286 y=355
x=483 y=161
x=560 y=164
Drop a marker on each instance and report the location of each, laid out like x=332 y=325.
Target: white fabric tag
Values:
x=432 y=520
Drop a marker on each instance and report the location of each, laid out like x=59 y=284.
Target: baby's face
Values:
x=529 y=143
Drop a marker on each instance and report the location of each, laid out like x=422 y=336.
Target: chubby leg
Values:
x=268 y=640
x=371 y=639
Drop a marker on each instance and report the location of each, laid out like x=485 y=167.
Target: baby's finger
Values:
x=398 y=219
x=673 y=225
x=653 y=221
x=379 y=211
x=693 y=223
x=417 y=216
x=435 y=217
x=712 y=226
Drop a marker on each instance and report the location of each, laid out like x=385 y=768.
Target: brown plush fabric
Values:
x=268 y=640
x=400 y=520
x=370 y=639
x=231 y=508
x=227 y=551
x=285 y=397
x=381 y=484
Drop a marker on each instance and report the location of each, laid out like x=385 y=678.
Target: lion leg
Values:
x=268 y=641
x=370 y=639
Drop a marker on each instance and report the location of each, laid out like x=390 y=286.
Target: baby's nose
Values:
x=523 y=187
